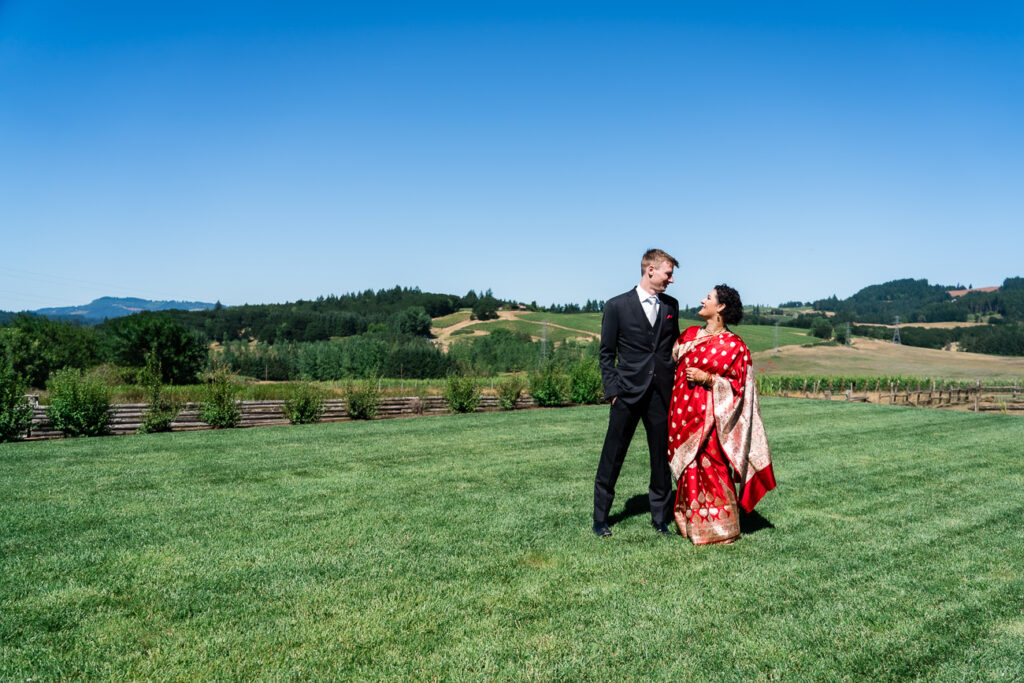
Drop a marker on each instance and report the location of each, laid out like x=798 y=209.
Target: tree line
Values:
x=916 y=301
x=35 y=348
x=999 y=339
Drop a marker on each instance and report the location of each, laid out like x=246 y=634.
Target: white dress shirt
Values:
x=650 y=303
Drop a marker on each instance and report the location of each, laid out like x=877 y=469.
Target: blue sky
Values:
x=266 y=152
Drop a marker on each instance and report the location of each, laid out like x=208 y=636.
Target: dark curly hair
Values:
x=733 y=311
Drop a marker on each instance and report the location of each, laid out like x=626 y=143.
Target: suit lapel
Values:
x=637 y=309
x=663 y=318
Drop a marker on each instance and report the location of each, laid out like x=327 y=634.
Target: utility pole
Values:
x=896 y=332
x=543 y=343
x=776 y=352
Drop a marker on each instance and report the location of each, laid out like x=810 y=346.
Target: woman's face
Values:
x=710 y=306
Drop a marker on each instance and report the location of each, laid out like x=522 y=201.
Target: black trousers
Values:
x=622 y=421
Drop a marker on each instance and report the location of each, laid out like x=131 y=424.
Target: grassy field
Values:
x=586 y=322
x=459 y=548
x=874 y=357
x=451 y=319
x=757 y=337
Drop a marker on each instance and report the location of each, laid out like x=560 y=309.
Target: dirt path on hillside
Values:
x=443 y=336
x=927 y=326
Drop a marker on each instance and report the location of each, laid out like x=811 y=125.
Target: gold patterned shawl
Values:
x=737 y=417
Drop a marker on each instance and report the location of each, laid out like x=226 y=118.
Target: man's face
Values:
x=660 y=276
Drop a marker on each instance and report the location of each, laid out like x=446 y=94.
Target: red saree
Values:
x=716 y=438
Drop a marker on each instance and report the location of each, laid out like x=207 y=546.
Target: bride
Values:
x=716 y=438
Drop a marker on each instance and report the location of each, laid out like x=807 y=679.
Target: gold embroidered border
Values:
x=740 y=428
x=713 y=530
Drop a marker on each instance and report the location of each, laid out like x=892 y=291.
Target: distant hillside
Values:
x=116 y=307
x=916 y=301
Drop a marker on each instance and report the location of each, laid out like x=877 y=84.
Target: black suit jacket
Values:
x=643 y=353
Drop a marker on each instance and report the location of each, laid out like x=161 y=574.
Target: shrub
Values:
x=414 y=321
x=461 y=393
x=132 y=338
x=509 y=391
x=585 y=381
x=79 y=405
x=362 y=399
x=37 y=347
x=486 y=308
x=15 y=412
x=163 y=408
x=841 y=334
x=821 y=328
x=305 y=405
x=220 y=408
x=550 y=387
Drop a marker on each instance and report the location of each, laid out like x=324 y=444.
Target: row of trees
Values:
x=349 y=358
x=402 y=309
x=35 y=347
x=407 y=310
x=365 y=356
x=1000 y=340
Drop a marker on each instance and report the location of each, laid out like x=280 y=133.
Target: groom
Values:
x=639 y=328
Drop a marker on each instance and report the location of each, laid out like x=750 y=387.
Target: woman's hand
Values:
x=699 y=376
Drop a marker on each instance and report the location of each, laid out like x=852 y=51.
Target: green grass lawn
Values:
x=459 y=547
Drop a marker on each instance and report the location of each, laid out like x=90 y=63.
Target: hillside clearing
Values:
x=873 y=357
x=586 y=326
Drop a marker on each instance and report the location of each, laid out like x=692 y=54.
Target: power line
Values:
x=21 y=274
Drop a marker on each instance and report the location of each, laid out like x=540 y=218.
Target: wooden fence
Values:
x=126 y=418
x=977 y=397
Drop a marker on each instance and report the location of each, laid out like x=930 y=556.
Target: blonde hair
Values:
x=653 y=257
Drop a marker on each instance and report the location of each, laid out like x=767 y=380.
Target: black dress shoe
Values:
x=661 y=528
x=601 y=529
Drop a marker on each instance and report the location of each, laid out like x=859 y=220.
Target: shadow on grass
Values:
x=752 y=522
x=637 y=505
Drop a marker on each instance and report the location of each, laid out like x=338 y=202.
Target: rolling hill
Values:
x=116 y=307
